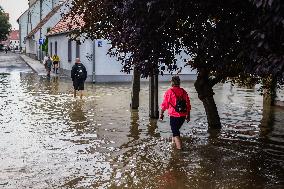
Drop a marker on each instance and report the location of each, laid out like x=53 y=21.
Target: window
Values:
x=69 y=50
x=55 y=47
x=77 y=49
x=50 y=49
x=29 y=17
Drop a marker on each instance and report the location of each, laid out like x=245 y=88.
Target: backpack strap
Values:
x=175 y=96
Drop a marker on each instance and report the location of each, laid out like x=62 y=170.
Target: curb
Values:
x=279 y=103
x=28 y=64
x=35 y=71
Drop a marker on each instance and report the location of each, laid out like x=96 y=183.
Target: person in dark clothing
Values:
x=79 y=76
x=48 y=65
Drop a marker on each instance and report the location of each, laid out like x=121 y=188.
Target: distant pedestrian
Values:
x=48 y=65
x=6 y=50
x=176 y=101
x=45 y=58
x=56 y=60
x=79 y=76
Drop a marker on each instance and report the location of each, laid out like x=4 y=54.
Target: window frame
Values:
x=69 y=51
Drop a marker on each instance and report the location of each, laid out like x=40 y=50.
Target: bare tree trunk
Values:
x=269 y=91
x=205 y=92
x=135 y=90
x=269 y=94
x=267 y=120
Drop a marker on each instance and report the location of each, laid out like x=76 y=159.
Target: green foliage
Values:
x=45 y=45
x=226 y=39
x=5 y=26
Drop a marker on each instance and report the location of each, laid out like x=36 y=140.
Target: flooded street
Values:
x=48 y=139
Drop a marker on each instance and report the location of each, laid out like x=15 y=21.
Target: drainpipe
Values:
x=94 y=61
x=40 y=18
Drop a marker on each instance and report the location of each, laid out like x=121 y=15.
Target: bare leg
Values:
x=74 y=93
x=81 y=94
x=48 y=73
x=178 y=142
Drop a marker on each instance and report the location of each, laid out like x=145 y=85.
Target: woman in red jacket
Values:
x=176 y=101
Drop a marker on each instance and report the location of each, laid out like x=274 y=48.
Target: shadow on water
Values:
x=78 y=120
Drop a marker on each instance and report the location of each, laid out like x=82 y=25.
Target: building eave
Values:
x=44 y=21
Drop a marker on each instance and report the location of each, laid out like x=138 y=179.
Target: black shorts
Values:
x=78 y=85
x=176 y=123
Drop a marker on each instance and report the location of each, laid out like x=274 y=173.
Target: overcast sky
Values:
x=15 y=8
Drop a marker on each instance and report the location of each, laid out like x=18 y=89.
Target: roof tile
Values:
x=67 y=24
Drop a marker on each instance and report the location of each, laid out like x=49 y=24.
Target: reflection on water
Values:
x=51 y=140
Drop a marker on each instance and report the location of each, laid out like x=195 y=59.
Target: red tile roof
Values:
x=67 y=24
x=43 y=21
x=14 y=35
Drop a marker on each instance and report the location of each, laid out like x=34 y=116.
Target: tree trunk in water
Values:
x=267 y=115
x=213 y=118
x=269 y=91
x=205 y=92
x=269 y=95
x=135 y=90
x=153 y=97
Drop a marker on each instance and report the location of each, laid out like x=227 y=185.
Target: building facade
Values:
x=31 y=20
x=94 y=55
x=13 y=40
x=280 y=97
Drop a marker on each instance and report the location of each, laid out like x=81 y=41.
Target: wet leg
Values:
x=74 y=93
x=81 y=94
x=177 y=142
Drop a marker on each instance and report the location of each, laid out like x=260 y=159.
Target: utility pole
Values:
x=135 y=89
x=153 y=95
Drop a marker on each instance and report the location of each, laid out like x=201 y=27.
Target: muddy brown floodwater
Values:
x=48 y=139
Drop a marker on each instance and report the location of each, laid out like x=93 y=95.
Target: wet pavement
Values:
x=48 y=139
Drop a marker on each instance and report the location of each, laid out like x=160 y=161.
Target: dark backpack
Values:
x=180 y=103
x=80 y=73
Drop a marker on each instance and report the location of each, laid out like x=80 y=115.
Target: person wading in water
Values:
x=79 y=76
x=176 y=101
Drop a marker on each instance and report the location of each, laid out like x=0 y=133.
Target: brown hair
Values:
x=175 y=81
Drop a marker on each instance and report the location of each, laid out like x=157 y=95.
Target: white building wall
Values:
x=34 y=12
x=86 y=51
x=48 y=5
x=107 y=69
x=106 y=65
x=280 y=97
x=15 y=44
x=62 y=51
x=49 y=24
x=33 y=21
x=27 y=25
x=23 y=24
